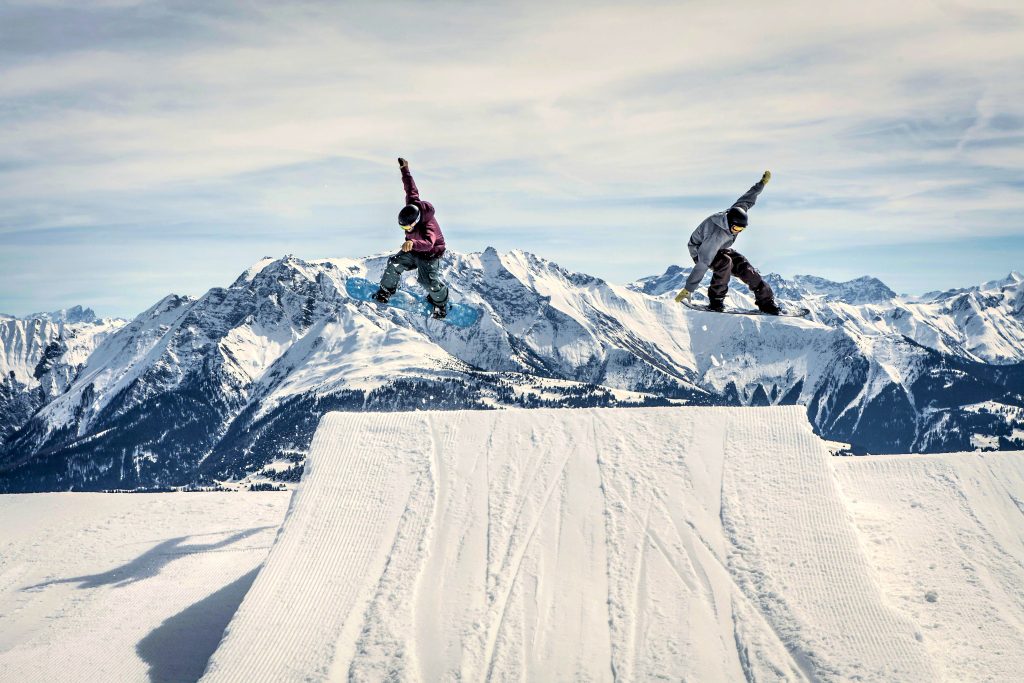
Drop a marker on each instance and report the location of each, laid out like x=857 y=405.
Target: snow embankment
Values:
x=631 y=544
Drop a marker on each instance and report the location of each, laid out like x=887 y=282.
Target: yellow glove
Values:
x=766 y=177
x=683 y=295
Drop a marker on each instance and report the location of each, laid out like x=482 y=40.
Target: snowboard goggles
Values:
x=737 y=229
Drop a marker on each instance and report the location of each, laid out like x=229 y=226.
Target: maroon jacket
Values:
x=426 y=236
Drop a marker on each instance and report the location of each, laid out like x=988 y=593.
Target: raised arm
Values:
x=748 y=199
x=412 y=193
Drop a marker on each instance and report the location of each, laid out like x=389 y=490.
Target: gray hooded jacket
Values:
x=713 y=235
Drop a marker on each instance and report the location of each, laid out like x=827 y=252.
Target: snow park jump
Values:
x=704 y=544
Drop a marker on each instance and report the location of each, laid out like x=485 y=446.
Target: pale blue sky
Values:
x=149 y=148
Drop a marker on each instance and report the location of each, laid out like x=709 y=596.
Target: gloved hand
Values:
x=766 y=177
x=407 y=245
x=402 y=163
x=684 y=294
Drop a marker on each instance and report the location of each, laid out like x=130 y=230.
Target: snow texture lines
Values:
x=798 y=557
x=293 y=620
x=627 y=544
x=944 y=537
x=427 y=594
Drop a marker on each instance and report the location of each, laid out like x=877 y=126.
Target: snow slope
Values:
x=101 y=587
x=944 y=536
x=984 y=323
x=630 y=544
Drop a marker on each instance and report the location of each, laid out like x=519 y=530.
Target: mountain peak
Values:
x=1012 y=279
x=861 y=290
x=75 y=314
x=672 y=279
x=255 y=269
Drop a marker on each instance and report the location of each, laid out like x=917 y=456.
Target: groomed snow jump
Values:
x=612 y=544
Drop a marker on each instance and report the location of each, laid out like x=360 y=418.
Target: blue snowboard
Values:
x=460 y=315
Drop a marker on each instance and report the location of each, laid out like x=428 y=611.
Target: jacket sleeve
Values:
x=424 y=243
x=748 y=199
x=412 y=193
x=705 y=255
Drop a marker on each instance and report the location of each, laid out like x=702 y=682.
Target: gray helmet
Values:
x=737 y=216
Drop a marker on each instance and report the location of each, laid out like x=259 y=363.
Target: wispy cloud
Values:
x=570 y=130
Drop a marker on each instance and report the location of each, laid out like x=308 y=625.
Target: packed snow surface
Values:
x=705 y=544
x=944 y=534
x=124 y=587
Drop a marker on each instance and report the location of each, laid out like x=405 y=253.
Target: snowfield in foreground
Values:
x=123 y=587
x=704 y=544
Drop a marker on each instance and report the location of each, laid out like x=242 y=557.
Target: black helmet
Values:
x=409 y=215
x=737 y=216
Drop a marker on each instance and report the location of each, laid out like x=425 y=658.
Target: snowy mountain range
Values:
x=234 y=382
x=40 y=355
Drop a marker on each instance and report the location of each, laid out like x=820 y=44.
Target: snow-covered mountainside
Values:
x=983 y=323
x=40 y=355
x=235 y=381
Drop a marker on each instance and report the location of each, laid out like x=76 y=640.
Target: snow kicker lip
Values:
x=711 y=543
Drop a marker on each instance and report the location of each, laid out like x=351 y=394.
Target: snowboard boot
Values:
x=440 y=310
x=765 y=299
x=717 y=306
x=382 y=295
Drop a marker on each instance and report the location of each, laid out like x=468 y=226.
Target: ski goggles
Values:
x=737 y=229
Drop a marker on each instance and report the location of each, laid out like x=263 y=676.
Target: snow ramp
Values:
x=704 y=544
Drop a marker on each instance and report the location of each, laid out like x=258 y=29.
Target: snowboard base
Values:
x=460 y=315
x=798 y=312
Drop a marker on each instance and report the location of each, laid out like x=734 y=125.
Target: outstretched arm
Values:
x=748 y=199
x=412 y=193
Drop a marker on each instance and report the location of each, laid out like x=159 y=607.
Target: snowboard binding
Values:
x=439 y=311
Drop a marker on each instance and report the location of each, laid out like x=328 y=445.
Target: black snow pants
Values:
x=428 y=274
x=728 y=263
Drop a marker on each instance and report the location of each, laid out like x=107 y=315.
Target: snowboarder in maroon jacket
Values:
x=422 y=249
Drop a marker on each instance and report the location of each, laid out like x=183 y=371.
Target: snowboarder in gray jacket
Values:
x=710 y=247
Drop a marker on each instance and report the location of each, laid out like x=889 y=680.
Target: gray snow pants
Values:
x=428 y=275
x=728 y=263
